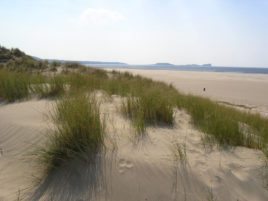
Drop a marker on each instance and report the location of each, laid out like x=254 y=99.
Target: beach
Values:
x=169 y=163
x=248 y=91
x=134 y=100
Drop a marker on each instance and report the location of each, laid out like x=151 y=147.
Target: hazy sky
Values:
x=221 y=32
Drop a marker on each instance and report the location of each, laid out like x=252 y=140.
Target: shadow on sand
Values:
x=78 y=180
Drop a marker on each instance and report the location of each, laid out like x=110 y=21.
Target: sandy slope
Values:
x=22 y=126
x=131 y=169
x=240 y=89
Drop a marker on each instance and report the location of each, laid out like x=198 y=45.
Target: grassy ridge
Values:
x=20 y=85
x=229 y=126
x=147 y=103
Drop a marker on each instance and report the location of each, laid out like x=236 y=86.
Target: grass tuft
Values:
x=151 y=107
x=56 y=86
x=14 y=85
x=79 y=131
x=48 y=87
x=227 y=125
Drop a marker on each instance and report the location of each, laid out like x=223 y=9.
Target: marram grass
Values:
x=14 y=85
x=48 y=87
x=79 y=131
x=149 y=108
x=146 y=103
x=227 y=125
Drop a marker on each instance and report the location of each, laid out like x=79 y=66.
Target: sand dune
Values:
x=129 y=169
x=22 y=126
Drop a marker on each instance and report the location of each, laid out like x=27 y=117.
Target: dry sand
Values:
x=249 y=90
x=131 y=169
x=22 y=128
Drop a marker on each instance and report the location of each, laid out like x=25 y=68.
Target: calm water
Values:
x=190 y=68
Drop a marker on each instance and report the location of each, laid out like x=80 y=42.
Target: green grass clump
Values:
x=79 y=131
x=85 y=82
x=56 y=86
x=14 y=85
x=48 y=87
x=151 y=107
x=214 y=119
x=227 y=125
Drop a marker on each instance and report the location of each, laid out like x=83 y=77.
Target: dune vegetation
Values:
x=14 y=85
x=227 y=125
x=79 y=132
x=149 y=107
x=145 y=102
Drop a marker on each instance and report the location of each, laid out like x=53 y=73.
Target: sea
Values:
x=222 y=69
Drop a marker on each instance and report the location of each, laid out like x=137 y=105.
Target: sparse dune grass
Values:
x=212 y=119
x=48 y=87
x=149 y=102
x=146 y=103
x=85 y=82
x=14 y=85
x=56 y=86
x=79 y=131
x=149 y=108
x=228 y=125
x=39 y=85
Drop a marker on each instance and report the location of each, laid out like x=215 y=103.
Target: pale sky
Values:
x=221 y=32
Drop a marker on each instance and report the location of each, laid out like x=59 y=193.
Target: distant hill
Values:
x=207 y=65
x=163 y=64
x=102 y=63
x=7 y=55
x=15 y=56
x=86 y=62
x=17 y=60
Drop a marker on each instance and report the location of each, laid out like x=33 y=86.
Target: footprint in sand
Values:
x=218 y=179
x=1 y=153
x=235 y=166
x=124 y=165
x=200 y=163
